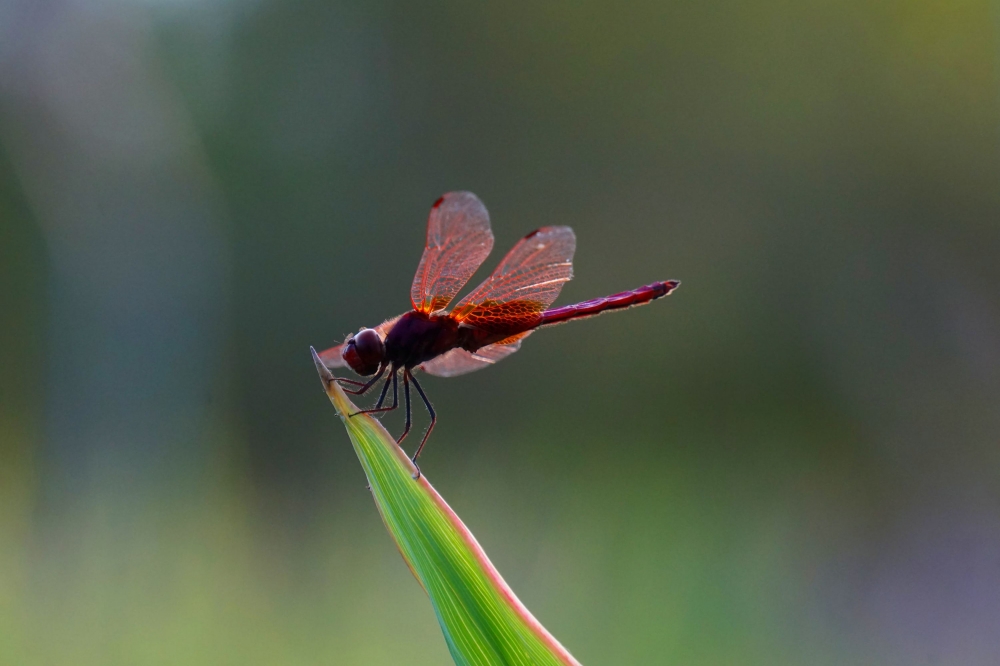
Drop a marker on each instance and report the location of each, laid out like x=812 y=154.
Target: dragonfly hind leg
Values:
x=378 y=408
x=406 y=397
x=430 y=410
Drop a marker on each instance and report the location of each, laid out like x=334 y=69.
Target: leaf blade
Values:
x=483 y=621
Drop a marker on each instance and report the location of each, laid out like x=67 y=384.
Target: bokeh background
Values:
x=795 y=459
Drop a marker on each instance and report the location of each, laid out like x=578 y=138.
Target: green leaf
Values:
x=483 y=622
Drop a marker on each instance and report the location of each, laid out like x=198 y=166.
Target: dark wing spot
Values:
x=437 y=203
x=532 y=234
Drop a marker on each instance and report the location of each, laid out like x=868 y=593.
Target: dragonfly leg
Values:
x=364 y=387
x=430 y=409
x=378 y=406
x=381 y=396
x=406 y=396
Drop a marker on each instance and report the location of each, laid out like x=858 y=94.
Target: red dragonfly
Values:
x=485 y=326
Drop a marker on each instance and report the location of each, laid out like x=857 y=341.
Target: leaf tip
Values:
x=324 y=372
x=334 y=392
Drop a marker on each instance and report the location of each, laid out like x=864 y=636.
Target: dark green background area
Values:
x=792 y=460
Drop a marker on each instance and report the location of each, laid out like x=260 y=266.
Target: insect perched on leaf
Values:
x=485 y=326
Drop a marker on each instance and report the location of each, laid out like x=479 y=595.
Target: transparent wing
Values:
x=459 y=362
x=525 y=283
x=331 y=357
x=458 y=241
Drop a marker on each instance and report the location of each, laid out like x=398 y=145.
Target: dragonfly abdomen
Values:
x=625 y=299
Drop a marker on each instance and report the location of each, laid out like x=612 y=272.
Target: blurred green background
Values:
x=795 y=459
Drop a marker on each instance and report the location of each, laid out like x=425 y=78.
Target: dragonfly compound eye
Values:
x=364 y=352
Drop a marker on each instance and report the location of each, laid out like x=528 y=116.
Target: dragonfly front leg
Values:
x=378 y=406
x=364 y=386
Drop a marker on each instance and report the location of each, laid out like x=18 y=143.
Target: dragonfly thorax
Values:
x=418 y=337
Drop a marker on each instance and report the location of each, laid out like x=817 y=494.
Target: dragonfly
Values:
x=487 y=325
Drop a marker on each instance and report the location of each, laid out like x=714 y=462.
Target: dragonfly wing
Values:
x=459 y=362
x=525 y=283
x=332 y=357
x=458 y=241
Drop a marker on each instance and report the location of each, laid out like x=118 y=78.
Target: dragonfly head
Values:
x=364 y=352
